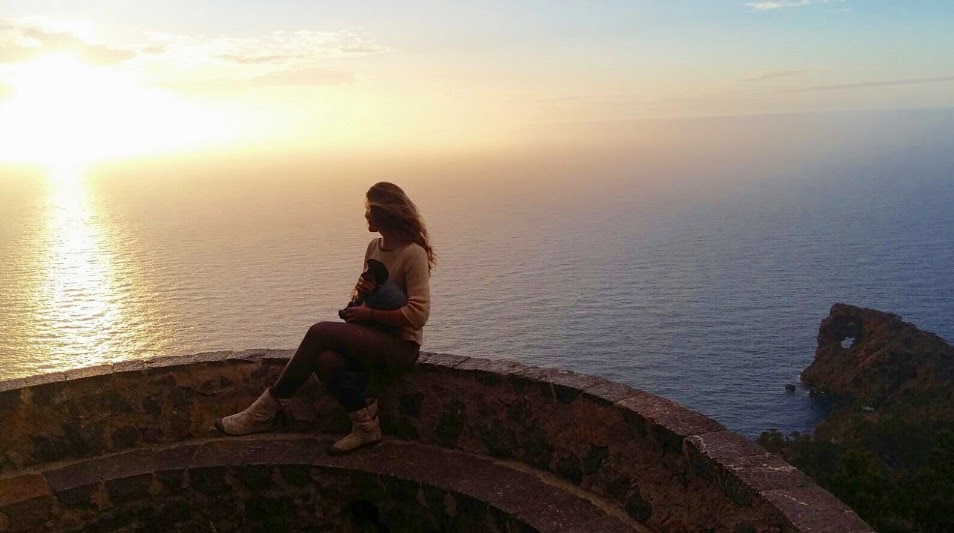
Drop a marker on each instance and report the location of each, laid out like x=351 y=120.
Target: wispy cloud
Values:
x=24 y=40
x=305 y=76
x=183 y=61
x=866 y=84
x=277 y=47
x=773 y=74
x=275 y=58
x=781 y=4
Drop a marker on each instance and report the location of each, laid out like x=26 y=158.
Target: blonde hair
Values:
x=392 y=209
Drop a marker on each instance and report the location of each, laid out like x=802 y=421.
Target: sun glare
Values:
x=65 y=113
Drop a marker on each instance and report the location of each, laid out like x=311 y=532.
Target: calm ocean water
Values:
x=691 y=258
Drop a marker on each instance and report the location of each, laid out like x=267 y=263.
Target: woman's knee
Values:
x=321 y=333
x=320 y=329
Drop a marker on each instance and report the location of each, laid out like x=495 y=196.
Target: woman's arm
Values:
x=362 y=314
x=414 y=314
x=417 y=279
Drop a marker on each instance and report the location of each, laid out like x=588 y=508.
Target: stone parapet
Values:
x=658 y=463
x=286 y=481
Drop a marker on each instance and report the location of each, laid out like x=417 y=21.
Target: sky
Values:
x=113 y=79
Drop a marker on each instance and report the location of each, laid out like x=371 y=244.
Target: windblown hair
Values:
x=392 y=209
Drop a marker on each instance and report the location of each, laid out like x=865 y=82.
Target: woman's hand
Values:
x=364 y=286
x=358 y=314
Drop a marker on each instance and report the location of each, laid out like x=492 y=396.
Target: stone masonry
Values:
x=92 y=447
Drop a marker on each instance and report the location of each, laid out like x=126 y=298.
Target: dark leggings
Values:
x=342 y=354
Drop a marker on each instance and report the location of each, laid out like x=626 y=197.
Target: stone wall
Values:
x=661 y=464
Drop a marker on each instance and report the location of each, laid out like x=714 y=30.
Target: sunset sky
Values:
x=112 y=79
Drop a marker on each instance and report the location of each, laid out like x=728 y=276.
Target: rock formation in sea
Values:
x=887 y=448
x=889 y=366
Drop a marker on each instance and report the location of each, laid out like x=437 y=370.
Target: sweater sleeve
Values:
x=417 y=278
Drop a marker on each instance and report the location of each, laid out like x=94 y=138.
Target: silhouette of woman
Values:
x=383 y=328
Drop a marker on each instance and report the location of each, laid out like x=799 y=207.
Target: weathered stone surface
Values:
x=76 y=475
x=669 y=421
x=89 y=372
x=567 y=385
x=497 y=366
x=131 y=488
x=129 y=366
x=440 y=360
x=157 y=363
x=529 y=379
x=28 y=515
x=500 y=440
x=603 y=524
x=558 y=510
x=638 y=508
x=281 y=451
x=12 y=384
x=22 y=488
x=721 y=444
x=488 y=371
x=177 y=457
x=210 y=357
x=452 y=423
x=209 y=480
x=815 y=510
x=651 y=458
x=44 y=379
x=608 y=392
x=765 y=472
x=218 y=452
x=277 y=357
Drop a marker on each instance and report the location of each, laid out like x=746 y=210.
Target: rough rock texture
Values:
x=287 y=482
x=652 y=460
x=890 y=362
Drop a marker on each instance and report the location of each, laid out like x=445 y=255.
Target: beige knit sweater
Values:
x=408 y=269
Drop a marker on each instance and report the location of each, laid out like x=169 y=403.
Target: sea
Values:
x=693 y=258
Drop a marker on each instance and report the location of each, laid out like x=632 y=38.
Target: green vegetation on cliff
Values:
x=867 y=475
x=887 y=450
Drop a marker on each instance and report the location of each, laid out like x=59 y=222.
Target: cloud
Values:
x=781 y=4
x=252 y=60
x=772 y=74
x=866 y=84
x=297 y=57
x=305 y=76
x=22 y=41
x=198 y=62
x=277 y=47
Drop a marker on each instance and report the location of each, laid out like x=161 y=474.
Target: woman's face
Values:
x=367 y=216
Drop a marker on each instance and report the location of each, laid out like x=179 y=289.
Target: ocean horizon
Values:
x=692 y=258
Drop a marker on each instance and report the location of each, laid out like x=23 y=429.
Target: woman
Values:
x=371 y=338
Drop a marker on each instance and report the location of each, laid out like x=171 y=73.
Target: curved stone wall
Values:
x=654 y=461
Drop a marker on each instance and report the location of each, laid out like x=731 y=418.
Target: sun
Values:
x=65 y=113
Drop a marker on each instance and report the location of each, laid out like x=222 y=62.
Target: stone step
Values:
x=221 y=482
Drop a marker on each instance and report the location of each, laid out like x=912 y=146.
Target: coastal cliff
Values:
x=889 y=364
x=887 y=448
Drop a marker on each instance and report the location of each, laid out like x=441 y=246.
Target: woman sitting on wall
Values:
x=382 y=330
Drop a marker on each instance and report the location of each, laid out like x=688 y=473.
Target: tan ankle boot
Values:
x=259 y=417
x=365 y=430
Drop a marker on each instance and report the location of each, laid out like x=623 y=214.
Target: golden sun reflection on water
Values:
x=80 y=309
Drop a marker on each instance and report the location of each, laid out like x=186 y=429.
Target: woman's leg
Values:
x=330 y=348
x=344 y=380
